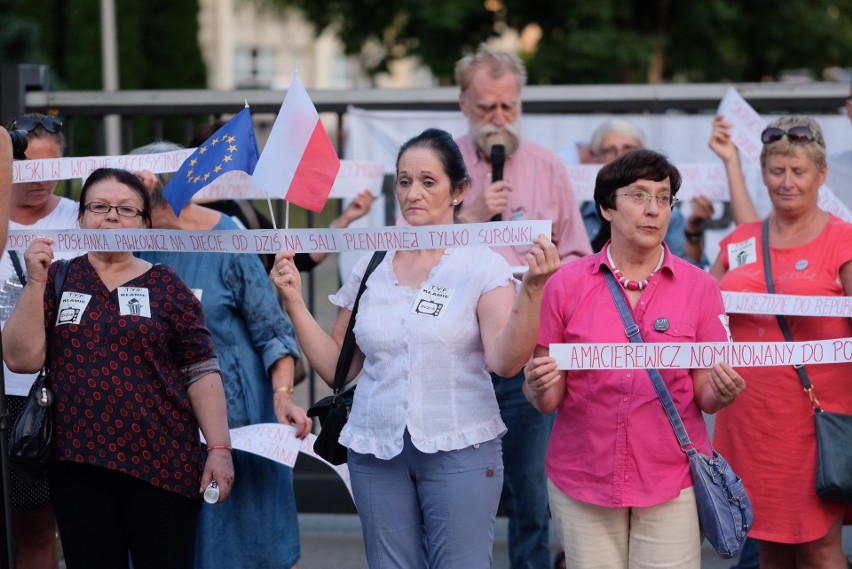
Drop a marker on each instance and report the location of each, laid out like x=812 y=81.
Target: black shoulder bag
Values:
x=833 y=430
x=31 y=438
x=333 y=411
x=724 y=509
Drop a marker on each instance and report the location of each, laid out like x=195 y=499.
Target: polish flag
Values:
x=298 y=162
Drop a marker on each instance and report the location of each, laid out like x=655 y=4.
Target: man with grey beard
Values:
x=534 y=185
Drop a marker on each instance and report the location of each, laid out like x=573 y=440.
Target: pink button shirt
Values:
x=612 y=444
x=540 y=190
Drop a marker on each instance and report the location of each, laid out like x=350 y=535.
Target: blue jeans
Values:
x=749 y=556
x=525 y=484
x=434 y=510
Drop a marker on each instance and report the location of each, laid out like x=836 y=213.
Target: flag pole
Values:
x=271 y=213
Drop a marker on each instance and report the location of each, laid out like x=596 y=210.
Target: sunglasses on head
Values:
x=29 y=124
x=797 y=134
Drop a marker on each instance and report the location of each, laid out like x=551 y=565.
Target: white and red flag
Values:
x=298 y=162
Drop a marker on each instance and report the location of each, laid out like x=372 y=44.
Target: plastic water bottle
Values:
x=211 y=494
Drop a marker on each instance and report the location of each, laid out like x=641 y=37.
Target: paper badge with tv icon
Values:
x=431 y=300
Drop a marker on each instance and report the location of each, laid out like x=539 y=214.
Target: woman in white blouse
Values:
x=424 y=432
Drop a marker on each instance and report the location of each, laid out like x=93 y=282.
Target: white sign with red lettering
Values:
x=786 y=304
x=492 y=234
x=700 y=355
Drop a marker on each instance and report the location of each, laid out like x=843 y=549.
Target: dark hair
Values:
x=443 y=145
x=203 y=132
x=122 y=177
x=639 y=164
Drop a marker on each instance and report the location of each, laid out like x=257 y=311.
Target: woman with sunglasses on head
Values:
x=620 y=487
x=32 y=205
x=768 y=437
x=134 y=377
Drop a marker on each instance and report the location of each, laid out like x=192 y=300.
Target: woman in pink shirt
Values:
x=619 y=485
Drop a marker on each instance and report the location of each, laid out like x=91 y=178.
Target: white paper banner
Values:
x=697 y=180
x=279 y=443
x=69 y=168
x=700 y=355
x=786 y=304
x=492 y=234
x=746 y=128
x=354 y=175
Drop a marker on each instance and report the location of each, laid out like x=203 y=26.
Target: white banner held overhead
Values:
x=700 y=355
x=746 y=129
x=786 y=304
x=493 y=234
x=707 y=180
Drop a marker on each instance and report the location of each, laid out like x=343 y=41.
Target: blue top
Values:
x=257 y=526
x=250 y=331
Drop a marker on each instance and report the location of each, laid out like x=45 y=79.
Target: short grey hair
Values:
x=621 y=126
x=814 y=149
x=498 y=63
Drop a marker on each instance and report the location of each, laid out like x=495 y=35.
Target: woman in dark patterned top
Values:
x=135 y=377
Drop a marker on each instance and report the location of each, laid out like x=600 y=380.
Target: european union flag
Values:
x=232 y=147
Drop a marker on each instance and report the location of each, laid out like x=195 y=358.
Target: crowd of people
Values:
x=457 y=409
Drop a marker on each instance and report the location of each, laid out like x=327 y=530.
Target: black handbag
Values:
x=333 y=411
x=31 y=437
x=724 y=509
x=833 y=430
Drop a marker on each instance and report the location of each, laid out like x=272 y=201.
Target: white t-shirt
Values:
x=63 y=216
x=424 y=366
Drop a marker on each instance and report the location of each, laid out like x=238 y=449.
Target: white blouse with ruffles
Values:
x=424 y=366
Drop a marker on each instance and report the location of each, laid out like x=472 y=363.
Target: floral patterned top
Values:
x=121 y=362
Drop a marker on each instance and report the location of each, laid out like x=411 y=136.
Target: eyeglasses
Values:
x=796 y=134
x=641 y=197
x=29 y=124
x=101 y=208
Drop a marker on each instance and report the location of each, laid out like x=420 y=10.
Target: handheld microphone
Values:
x=498 y=158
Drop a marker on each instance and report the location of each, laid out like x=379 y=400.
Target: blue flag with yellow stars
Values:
x=232 y=147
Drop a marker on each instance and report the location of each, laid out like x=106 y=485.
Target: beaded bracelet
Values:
x=219 y=447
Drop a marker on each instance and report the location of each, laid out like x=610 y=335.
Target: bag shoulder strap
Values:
x=347 y=350
x=782 y=322
x=58 y=283
x=631 y=330
x=19 y=270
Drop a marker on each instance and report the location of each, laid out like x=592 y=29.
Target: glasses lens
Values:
x=25 y=123
x=127 y=211
x=800 y=134
x=771 y=134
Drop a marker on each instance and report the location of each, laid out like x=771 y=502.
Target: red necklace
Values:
x=627 y=283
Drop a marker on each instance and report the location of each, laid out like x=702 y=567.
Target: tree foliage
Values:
x=157 y=49
x=606 y=41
